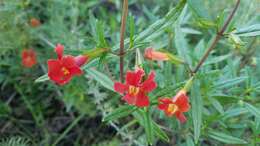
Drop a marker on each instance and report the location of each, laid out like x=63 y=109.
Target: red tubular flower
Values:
x=175 y=106
x=29 y=58
x=61 y=70
x=134 y=90
x=155 y=55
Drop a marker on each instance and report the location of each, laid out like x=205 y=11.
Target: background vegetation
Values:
x=225 y=96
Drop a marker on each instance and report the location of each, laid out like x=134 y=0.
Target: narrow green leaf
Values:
x=119 y=113
x=216 y=59
x=145 y=121
x=42 y=78
x=190 y=30
x=247 y=31
x=250 y=34
x=157 y=26
x=229 y=82
x=101 y=36
x=225 y=138
x=217 y=105
x=148 y=126
x=189 y=141
x=180 y=40
x=226 y=98
x=103 y=79
x=253 y=110
x=197 y=105
x=132 y=31
x=234 y=112
x=159 y=132
x=198 y=9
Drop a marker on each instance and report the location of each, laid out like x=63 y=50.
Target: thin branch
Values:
x=122 y=33
x=217 y=38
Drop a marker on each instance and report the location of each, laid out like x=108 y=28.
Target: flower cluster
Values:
x=137 y=85
x=135 y=92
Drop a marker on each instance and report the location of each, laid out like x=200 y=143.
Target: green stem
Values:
x=68 y=129
x=216 y=39
x=122 y=33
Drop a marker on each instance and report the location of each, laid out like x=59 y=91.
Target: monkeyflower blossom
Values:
x=62 y=69
x=134 y=90
x=29 y=58
x=175 y=106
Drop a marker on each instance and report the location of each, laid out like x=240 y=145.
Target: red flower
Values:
x=134 y=89
x=29 y=58
x=61 y=70
x=175 y=106
x=155 y=55
x=35 y=22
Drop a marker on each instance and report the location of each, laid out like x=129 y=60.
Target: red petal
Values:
x=142 y=100
x=25 y=53
x=54 y=65
x=149 y=84
x=54 y=69
x=129 y=99
x=28 y=62
x=182 y=101
x=134 y=78
x=59 y=50
x=119 y=87
x=75 y=71
x=163 y=103
x=68 y=61
x=181 y=117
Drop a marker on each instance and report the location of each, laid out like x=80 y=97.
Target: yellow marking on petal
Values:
x=65 y=71
x=172 y=108
x=133 y=90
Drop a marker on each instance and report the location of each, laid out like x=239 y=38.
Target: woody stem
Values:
x=122 y=32
x=217 y=38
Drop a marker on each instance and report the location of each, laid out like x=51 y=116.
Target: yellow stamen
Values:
x=172 y=108
x=133 y=90
x=65 y=71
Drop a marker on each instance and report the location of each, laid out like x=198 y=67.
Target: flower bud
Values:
x=80 y=60
x=155 y=55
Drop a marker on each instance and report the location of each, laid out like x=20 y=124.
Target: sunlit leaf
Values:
x=101 y=78
x=42 y=78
